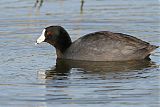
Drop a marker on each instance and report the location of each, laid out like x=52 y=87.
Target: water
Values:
x=30 y=76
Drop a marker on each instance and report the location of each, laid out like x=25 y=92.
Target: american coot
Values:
x=97 y=46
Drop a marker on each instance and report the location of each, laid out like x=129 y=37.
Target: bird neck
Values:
x=63 y=41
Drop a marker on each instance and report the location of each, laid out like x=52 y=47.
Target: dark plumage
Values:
x=97 y=46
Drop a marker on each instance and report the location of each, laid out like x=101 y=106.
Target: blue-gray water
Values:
x=29 y=76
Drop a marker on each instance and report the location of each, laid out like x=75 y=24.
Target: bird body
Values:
x=108 y=46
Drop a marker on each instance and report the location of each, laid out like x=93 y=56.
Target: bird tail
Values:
x=150 y=48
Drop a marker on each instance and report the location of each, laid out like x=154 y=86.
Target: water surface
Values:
x=30 y=76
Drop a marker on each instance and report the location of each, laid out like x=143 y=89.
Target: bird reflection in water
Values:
x=63 y=68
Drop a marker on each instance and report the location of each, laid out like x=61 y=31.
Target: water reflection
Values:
x=38 y=4
x=63 y=67
x=81 y=8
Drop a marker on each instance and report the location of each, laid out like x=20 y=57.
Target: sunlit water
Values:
x=31 y=77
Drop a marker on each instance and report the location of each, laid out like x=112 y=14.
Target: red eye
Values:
x=50 y=33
